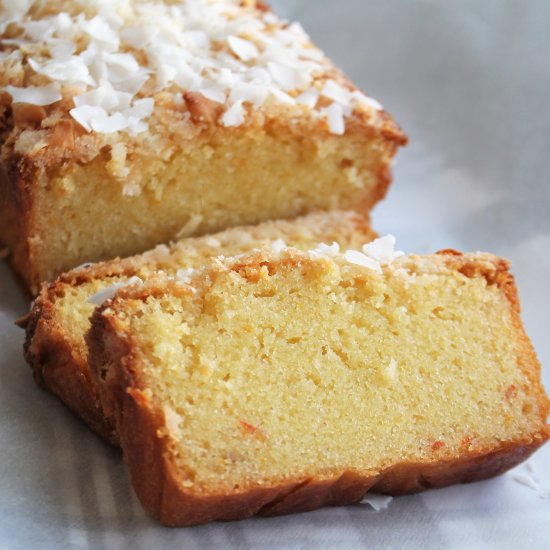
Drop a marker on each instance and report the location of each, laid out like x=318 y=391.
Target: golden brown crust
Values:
x=59 y=366
x=197 y=116
x=17 y=218
x=139 y=422
x=405 y=479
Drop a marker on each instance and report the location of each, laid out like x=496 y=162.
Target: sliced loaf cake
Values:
x=283 y=381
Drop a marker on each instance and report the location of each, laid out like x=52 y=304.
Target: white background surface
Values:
x=470 y=83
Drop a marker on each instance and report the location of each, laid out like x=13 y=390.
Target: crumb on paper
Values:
x=529 y=479
x=376 y=502
x=108 y=293
x=190 y=227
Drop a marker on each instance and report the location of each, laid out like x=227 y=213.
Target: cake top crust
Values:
x=376 y=258
x=117 y=67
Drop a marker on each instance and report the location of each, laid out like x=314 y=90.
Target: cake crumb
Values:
x=376 y=502
x=190 y=227
x=528 y=478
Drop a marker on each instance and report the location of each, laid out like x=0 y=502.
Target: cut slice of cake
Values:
x=284 y=381
x=59 y=319
x=128 y=124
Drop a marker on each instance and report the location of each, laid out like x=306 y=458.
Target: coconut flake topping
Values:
x=185 y=274
x=373 y=256
x=117 y=55
x=325 y=250
x=278 y=246
x=36 y=95
x=109 y=292
x=382 y=250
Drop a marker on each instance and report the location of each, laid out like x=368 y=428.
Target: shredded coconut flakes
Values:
x=184 y=274
x=36 y=95
x=326 y=251
x=373 y=256
x=231 y=54
x=278 y=246
x=109 y=292
x=383 y=249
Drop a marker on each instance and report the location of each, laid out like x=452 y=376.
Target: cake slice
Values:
x=59 y=318
x=128 y=124
x=284 y=381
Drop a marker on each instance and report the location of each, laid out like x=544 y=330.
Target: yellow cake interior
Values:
x=100 y=210
x=294 y=369
x=71 y=308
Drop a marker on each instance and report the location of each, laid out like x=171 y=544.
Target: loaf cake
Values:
x=59 y=319
x=128 y=124
x=282 y=381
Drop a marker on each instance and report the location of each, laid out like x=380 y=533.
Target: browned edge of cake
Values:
x=56 y=365
x=114 y=361
x=16 y=220
x=61 y=368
